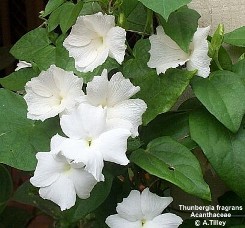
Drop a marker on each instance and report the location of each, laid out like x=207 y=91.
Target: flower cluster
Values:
x=97 y=123
x=143 y=210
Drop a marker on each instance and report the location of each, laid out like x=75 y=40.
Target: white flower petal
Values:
x=56 y=142
x=115 y=40
x=81 y=34
x=101 y=57
x=152 y=205
x=165 y=53
x=95 y=163
x=77 y=40
x=52 y=92
x=118 y=123
x=130 y=208
x=85 y=122
x=40 y=108
x=86 y=55
x=47 y=171
x=113 y=145
x=75 y=150
x=97 y=89
x=199 y=59
x=130 y=110
x=120 y=89
x=79 y=151
x=61 y=192
x=87 y=42
x=100 y=23
x=83 y=182
x=22 y=64
x=167 y=220
x=115 y=221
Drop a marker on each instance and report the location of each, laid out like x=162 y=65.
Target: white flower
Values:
x=59 y=179
x=89 y=142
x=114 y=96
x=52 y=92
x=143 y=210
x=165 y=53
x=22 y=64
x=93 y=38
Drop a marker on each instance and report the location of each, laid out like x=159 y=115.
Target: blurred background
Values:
x=17 y=17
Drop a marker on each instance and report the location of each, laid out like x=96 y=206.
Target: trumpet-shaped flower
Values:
x=54 y=91
x=22 y=64
x=93 y=38
x=114 y=96
x=143 y=210
x=165 y=53
x=59 y=179
x=89 y=142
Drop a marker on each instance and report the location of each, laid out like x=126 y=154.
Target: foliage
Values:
x=167 y=150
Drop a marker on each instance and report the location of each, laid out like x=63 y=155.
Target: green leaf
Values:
x=63 y=60
x=133 y=144
x=54 y=18
x=6 y=187
x=239 y=68
x=133 y=16
x=15 y=126
x=222 y=94
x=216 y=40
x=236 y=37
x=28 y=194
x=160 y=92
x=17 y=133
x=181 y=26
x=224 y=150
x=69 y=14
x=216 y=44
x=97 y=197
x=90 y=8
x=45 y=57
x=174 y=124
x=31 y=43
x=171 y=161
x=51 y=6
x=42 y=132
x=224 y=59
x=164 y=7
x=17 y=80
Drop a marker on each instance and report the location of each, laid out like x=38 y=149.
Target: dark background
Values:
x=17 y=17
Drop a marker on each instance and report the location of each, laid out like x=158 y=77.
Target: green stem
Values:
x=149 y=21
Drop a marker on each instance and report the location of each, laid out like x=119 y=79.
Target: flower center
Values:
x=89 y=141
x=67 y=168
x=104 y=103
x=101 y=39
x=59 y=99
x=143 y=221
